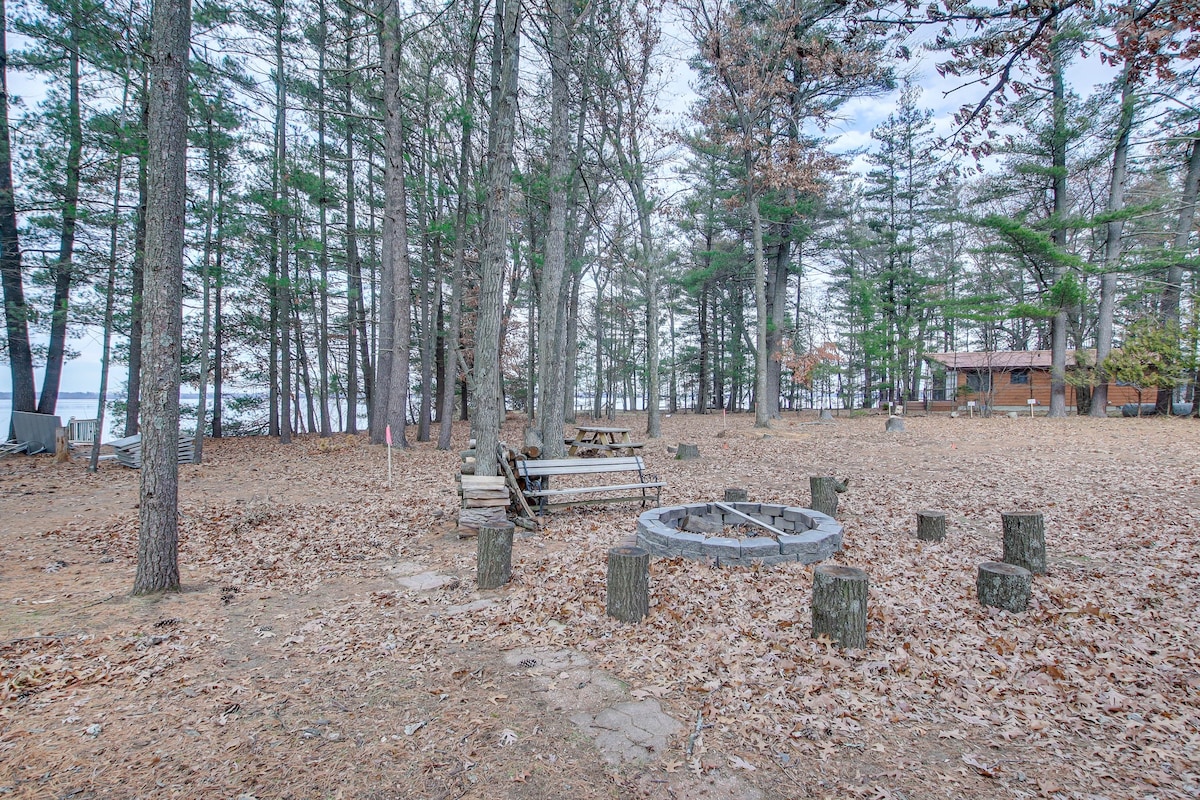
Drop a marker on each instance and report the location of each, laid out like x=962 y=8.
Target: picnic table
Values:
x=602 y=441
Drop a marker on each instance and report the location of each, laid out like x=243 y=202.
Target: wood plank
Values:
x=485 y=503
x=482 y=481
x=486 y=494
x=583 y=489
x=750 y=519
x=575 y=466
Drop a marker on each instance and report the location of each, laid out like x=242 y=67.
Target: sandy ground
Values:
x=302 y=659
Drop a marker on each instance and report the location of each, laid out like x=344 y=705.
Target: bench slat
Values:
x=579 y=466
x=621 y=488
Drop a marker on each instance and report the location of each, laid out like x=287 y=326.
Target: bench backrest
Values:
x=536 y=468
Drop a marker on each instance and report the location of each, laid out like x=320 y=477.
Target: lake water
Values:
x=86 y=409
x=80 y=409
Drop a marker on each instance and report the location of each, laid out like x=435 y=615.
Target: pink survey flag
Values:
x=388 y=435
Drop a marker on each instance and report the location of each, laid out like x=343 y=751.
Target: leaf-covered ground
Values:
x=295 y=664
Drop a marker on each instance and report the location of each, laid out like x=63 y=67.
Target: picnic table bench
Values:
x=538 y=472
x=602 y=441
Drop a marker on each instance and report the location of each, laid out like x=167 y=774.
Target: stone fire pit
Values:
x=806 y=536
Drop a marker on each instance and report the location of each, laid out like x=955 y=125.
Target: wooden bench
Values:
x=536 y=475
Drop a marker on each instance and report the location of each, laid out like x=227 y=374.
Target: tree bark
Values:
x=551 y=345
x=133 y=390
x=1058 y=327
x=1183 y=230
x=488 y=401
x=839 y=605
x=397 y=283
x=64 y=266
x=493 y=562
x=1025 y=540
x=458 y=260
x=16 y=312
x=1112 y=244
x=931 y=526
x=628 y=583
x=1005 y=586
x=284 y=285
x=824 y=494
x=158 y=535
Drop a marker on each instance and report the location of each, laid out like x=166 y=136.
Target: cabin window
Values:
x=979 y=381
x=1020 y=376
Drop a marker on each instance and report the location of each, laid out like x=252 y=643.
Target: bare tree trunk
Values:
x=397 y=280
x=762 y=417
x=206 y=281
x=64 y=266
x=285 y=275
x=488 y=402
x=158 y=535
x=551 y=349
x=133 y=388
x=1112 y=244
x=323 y=224
x=1183 y=231
x=20 y=357
x=457 y=265
x=111 y=283
x=1058 y=325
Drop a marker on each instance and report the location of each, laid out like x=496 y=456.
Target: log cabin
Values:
x=1006 y=381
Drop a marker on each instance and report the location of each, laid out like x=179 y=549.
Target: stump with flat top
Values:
x=1025 y=540
x=493 y=564
x=628 y=583
x=736 y=496
x=1005 y=586
x=825 y=492
x=687 y=451
x=931 y=526
x=839 y=604
x=62 y=446
x=894 y=425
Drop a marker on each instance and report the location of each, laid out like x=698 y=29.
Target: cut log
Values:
x=839 y=605
x=894 y=425
x=1005 y=586
x=824 y=494
x=931 y=526
x=473 y=518
x=1025 y=540
x=736 y=496
x=687 y=451
x=493 y=562
x=62 y=446
x=533 y=443
x=628 y=583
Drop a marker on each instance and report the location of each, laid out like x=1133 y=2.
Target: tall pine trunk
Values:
x=64 y=266
x=488 y=400
x=158 y=535
x=20 y=357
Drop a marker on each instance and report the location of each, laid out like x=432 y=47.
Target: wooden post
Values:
x=931 y=526
x=688 y=451
x=1025 y=540
x=62 y=448
x=628 y=583
x=839 y=605
x=493 y=564
x=1004 y=586
x=736 y=495
x=824 y=494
